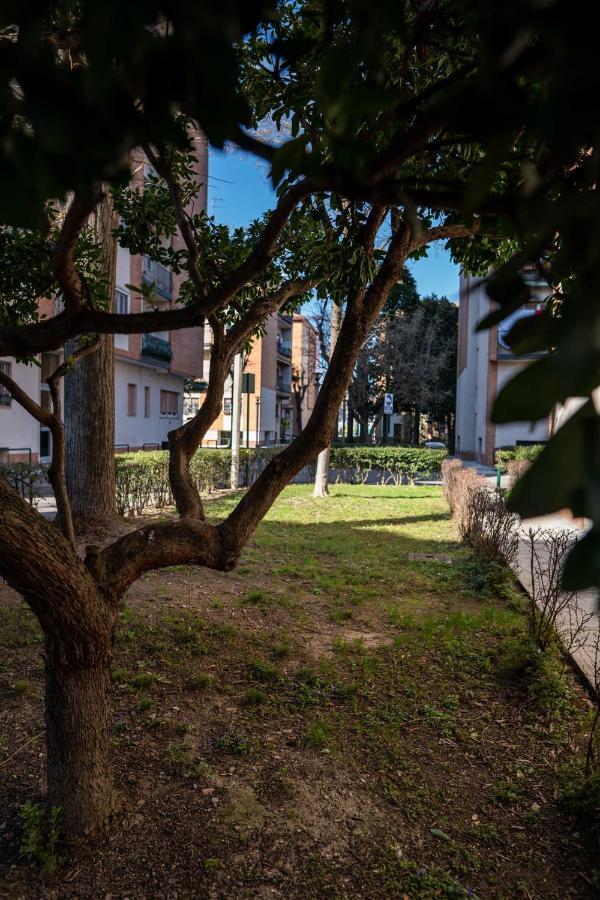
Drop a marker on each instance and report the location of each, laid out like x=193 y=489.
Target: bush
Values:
x=490 y=527
x=354 y=464
x=142 y=479
x=450 y=470
x=25 y=478
x=527 y=454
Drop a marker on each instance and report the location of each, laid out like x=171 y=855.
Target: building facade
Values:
x=485 y=363
x=279 y=372
x=150 y=369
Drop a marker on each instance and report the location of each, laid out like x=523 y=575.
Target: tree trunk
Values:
x=79 y=780
x=350 y=424
x=322 y=476
x=417 y=426
x=90 y=408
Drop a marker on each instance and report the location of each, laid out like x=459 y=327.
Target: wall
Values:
x=17 y=427
x=138 y=430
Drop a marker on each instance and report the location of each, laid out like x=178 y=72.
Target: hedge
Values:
x=25 y=478
x=394 y=464
x=142 y=479
x=526 y=453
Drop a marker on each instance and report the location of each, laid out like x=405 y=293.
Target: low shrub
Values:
x=25 y=478
x=515 y=469
x=394 y=465
x=142 y=479
x=527 y=453
x=489 y=526
x=450 y=471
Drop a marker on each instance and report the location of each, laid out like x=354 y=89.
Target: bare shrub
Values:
x=516 y=468
x=464 y=483
x=489 y=526
x=450 y=470
x=553 y=612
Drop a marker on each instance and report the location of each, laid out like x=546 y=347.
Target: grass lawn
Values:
x=335 y=718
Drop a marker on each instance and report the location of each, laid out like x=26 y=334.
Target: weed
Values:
x=40 y=835
x=144 y=704
x=316 y=737
x=142 y=680
x=199 y=681
x=233 y=742
x=183 y=728
x=178 y=758
x=212 y=864
x=21 y=687
x=263 y=671
x=254 y=697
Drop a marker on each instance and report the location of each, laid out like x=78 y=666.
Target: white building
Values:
x=485 y=363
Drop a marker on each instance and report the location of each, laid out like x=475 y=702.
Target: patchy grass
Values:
x=332 y=719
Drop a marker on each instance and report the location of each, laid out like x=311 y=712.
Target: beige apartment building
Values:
x=280 y=373
x=150 y=369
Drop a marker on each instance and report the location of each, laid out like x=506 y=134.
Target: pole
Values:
x=258 y=421
x=247 y=421
x=236 y=412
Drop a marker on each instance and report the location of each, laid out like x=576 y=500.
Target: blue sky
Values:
x=239 y=190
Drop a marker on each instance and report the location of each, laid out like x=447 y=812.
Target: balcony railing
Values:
x=284 y=385
x=158 y=275
x=284 y=348
x=157 y=348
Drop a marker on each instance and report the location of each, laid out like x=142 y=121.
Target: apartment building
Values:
x=280 y=375
x=485 y=363
x=150 y=369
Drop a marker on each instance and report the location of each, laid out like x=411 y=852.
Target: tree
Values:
x=90 y=404
x=380 y=99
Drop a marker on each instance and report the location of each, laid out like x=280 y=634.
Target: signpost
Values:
x=388 y=410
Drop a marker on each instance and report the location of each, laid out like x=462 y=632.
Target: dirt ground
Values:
x=342 y=716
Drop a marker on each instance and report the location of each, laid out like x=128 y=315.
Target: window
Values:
x=121 y=302
x=45 y=444
x=169 y=403
x=122 y=308
x=132 y=399
x=227 y=406
x=5 y=398
x=146 y=402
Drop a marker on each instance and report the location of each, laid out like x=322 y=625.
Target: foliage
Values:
x=412 y=354
x=142 y=479
x=40 y=835
x=527 y=453
x=393 y=464
x=26 y=478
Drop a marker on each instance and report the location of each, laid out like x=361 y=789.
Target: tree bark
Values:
x=417 y=426
x=90 y=408
x=322 y=473
x=79 y=780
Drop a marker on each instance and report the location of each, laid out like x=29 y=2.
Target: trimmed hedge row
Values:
x=527 y=453
x=393 y=464
x=143 y=478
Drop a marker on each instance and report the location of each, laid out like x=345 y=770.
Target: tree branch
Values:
x=181 y=217
x=63 y=258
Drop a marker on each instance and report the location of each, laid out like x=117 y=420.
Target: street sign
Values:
x=248 y=383
x=388 y=404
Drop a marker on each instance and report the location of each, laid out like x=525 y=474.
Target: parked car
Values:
x=435 y=445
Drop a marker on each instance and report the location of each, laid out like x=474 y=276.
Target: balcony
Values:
x=159 y=276
x=157 y=349
x=284 y=348
x=284 y=385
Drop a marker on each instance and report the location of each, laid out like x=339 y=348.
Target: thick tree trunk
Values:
x=90 y=408
x=79 y=780
x=417 y=427
x=322 y=475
